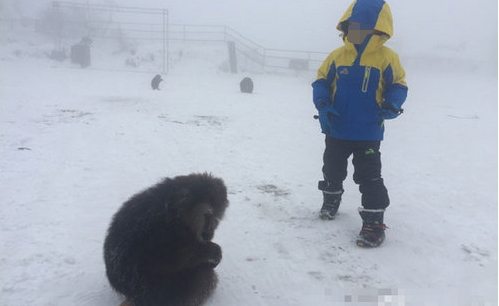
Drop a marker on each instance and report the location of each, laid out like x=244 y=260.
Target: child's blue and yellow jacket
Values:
x=354 y=84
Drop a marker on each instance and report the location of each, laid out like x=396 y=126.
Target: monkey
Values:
x=246 y=85
x=155 y=82
x=158 y=249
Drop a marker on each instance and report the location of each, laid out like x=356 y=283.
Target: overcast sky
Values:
x=453 y=28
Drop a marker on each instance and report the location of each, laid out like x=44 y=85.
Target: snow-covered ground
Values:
x=76 y=143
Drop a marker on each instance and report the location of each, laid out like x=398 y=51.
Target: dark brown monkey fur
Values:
x=155 y=81
x=158 y=250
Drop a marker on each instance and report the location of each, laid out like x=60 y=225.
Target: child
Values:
x=359 y=85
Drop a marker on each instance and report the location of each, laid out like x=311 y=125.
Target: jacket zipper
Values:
x=367 y=74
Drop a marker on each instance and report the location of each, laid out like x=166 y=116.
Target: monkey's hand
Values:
x=215 y=255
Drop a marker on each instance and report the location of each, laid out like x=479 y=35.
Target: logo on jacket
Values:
x=344 y=71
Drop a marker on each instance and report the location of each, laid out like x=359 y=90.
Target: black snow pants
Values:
x=367 y=166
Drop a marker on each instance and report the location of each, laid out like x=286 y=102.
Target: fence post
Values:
x=59 y=24
x=264 y=58
x=166 y=42
x=232 y=56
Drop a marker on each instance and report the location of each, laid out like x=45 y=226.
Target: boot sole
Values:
x=324 y=216
x=369 y=245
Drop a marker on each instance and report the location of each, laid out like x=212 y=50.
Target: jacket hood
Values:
x=374 y=13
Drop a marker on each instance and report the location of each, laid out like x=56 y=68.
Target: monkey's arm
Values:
x=205 y=253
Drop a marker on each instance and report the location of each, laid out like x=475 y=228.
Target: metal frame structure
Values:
x=253 y=51
x=249 y=51
x=58 y=5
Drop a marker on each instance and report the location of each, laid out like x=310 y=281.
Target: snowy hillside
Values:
x=76 y=143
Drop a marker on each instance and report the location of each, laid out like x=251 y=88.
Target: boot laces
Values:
x=371 y=227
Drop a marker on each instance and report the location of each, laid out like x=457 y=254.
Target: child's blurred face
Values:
x=357 y=32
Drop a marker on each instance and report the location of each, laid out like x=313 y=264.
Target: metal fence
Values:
x=92 y=18
x=248 y=49
x=69 y=20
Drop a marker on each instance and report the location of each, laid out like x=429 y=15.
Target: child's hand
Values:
x=326 y=116
x=389 y=111
x=388 y=114
x=325 y=106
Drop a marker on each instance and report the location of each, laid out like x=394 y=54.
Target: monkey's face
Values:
x=200 y=218
x=210 y=224
x=198 y=202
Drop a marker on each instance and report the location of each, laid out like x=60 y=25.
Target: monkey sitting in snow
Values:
x=155 y=82
x=158 y=250
x=246 y=85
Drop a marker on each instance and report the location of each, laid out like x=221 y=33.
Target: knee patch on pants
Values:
x=374 y=194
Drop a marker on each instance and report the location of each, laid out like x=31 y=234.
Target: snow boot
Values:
x=331 y=202
x=372 y=233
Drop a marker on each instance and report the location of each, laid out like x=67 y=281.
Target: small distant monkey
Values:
x=246 y=85
x=158 y=249
x=155 y=82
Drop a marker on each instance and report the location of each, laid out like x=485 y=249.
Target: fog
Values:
x=441 y=29
x=75 y=143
